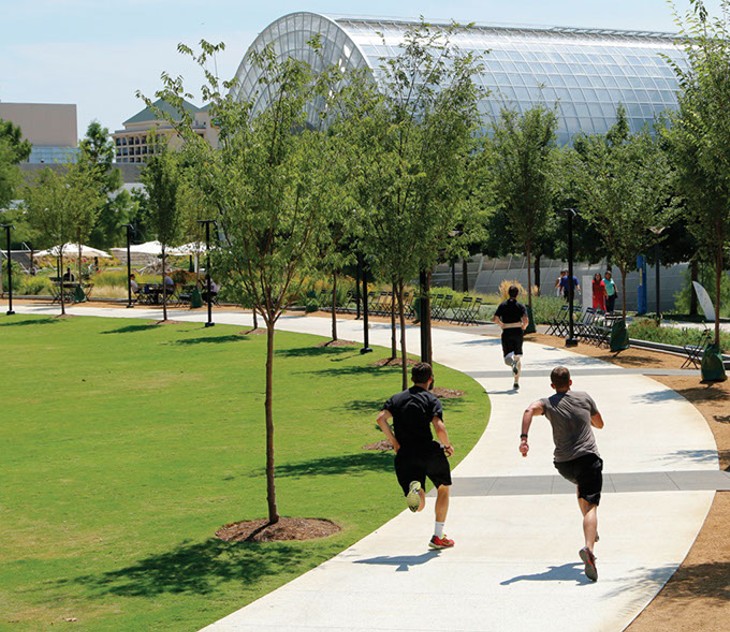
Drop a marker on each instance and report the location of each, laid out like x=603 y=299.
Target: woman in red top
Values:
x=599 y=292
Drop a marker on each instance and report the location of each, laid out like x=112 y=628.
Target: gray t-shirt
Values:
x=570 y=416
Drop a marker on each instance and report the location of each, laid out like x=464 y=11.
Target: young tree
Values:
x=699 y=136
x=97 y=155
x=62 y=206
x=622 y=185
x=524 y=168
x=412 y=148
x=267 y=182
x=161 y=177
x=13 y=149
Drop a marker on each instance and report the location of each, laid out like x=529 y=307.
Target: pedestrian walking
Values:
x=573 y=415
x=511 y=316
x=599 y=292
x=417 y=455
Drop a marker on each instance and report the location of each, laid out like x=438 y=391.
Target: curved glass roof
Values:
x=585 y=72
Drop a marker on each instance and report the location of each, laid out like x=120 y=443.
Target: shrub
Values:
x=647 y=329
x=544 y=308
x=707 y=280
x=35 y=285
x=17 y=275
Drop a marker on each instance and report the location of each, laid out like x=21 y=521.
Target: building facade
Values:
x=137 y=140
x=50 y=127
x=583 y=73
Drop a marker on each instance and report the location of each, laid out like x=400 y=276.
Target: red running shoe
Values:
x=440 y=543
x=589 y=562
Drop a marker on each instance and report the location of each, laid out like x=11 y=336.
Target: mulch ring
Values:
x=381 y=445
x=286 y=529
x=339 y=343
x=393 y=362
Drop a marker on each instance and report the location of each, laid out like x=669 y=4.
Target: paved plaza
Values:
x=516 y=523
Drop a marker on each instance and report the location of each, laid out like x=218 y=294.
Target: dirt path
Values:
x=697 y=597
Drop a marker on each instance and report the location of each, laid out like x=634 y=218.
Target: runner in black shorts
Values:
x=573 y=415
x=511 y=316
x=417 y=455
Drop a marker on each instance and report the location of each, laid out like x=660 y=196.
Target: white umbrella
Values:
x=72 y=250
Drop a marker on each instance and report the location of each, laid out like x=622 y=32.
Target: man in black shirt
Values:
x=511 y=316
x=417 y=455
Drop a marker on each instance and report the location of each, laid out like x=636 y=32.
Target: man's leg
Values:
x=442 y=502
x=590 y=522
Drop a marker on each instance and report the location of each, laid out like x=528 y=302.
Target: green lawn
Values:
x=124 y=445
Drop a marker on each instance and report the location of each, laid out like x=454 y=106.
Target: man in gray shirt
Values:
x=573 y=415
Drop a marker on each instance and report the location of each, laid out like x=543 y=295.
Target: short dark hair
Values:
x=560 y=377
x=513 y=291
x=421 y=372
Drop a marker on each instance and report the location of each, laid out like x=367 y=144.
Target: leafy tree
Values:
x=13 y=149
x=267 y=182
x=699 y=136
x=97 y=154
x=524 y=166
x=62 y=206
x=622 y=185
x=161 y=177
x=412 y=144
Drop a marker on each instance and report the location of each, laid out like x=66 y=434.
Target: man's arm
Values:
x=382 y=421
x=525 y=320
x=536 y=408
x=498 y=320
x=597 y=420
x=443 y=435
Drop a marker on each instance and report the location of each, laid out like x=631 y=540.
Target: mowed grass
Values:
x=124 y=445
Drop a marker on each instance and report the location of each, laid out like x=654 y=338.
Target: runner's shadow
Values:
x=566 y=572
x=401 y=562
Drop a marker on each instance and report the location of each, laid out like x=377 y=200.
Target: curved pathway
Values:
x=516 y=524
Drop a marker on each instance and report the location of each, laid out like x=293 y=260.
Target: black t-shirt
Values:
x=510 y=311
x=412 y=412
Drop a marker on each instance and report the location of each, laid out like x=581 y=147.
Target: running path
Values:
x=515 y=563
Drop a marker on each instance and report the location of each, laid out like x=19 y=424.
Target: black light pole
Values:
x=365 y=336
x=207 y=223
x=358 y=276
x=570 y=341
x=130 y=230
x=10 y=311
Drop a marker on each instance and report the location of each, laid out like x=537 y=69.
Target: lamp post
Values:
x=365 y=335
x=570 y=341
x=207 y=223
x=130 y=230
x=657 y=230
x=10 y=311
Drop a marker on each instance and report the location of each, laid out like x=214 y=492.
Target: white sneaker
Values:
x=413 y=498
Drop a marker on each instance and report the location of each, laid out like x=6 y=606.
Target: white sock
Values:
x=438 y=529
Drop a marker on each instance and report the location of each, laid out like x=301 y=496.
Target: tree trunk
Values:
x=268 y=404
x=164 y=287
x=255 y=320
x=60 y=282
x=402 y=318
x=393 y=334
x=334 y=306
x=694 y=271
x=464 y=276
x=623 y=291
x=537 y=273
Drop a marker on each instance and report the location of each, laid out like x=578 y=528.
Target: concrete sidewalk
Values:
x=517 y=528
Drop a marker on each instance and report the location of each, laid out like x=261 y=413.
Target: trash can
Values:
x=196 y=300
x=619 y=336
x=530 y=329
x=713 y=367
x=79 y=296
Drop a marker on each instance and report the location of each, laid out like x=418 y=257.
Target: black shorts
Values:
x=587 y=473
x=416 y=465
x=512 y=341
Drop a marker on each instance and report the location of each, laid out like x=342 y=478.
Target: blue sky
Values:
x=97 y=54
